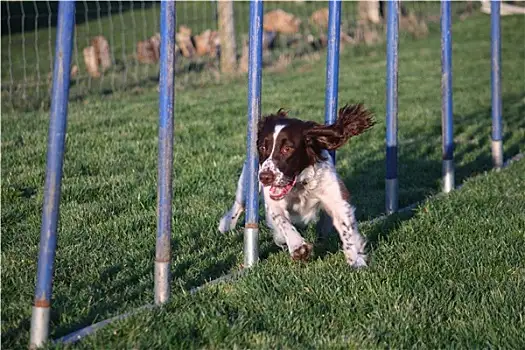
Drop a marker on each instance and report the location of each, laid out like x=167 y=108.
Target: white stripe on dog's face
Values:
x=269 y=164
x=276 y=132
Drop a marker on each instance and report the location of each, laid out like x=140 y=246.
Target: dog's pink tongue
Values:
x=280 y=192
x=277 y=191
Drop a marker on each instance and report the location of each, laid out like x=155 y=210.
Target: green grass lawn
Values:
x=453 y=274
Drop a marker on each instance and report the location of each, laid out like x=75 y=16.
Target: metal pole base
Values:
x=497 y=154
x=391 y=199
x=39 y=326
x=251 y=247
x=162 y=282
x=448 y=176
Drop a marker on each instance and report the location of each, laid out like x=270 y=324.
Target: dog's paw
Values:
x=303 y=252
x=358 y=263
x=226 y=224
x=229 y=220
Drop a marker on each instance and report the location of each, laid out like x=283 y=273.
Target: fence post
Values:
x=391 y=186
x=227 y=36
x=165 y=160
x=251 y=228
x=53 y=183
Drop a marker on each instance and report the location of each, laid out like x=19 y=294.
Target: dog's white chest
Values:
x=303 y=204
x=303 y=207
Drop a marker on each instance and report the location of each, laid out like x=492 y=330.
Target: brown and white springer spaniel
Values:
x=298 y=180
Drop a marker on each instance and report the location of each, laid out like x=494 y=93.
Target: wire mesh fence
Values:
x=116 y=43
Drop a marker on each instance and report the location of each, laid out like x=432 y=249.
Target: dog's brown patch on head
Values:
x=282 y=139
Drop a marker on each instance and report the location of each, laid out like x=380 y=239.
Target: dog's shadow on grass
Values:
x=376 y=233
x=106 y=291
x=105 y=294
x=109 y=289
x=419 y=173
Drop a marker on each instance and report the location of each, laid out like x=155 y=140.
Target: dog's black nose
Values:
x=266 y=177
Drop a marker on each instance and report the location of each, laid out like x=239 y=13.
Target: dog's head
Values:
x=287 y=146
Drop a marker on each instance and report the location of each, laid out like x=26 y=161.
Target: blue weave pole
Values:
x=495 y=55
x=165 y=158
x=332 y=64
x=53 y=183
x=392 y=45
x=447 y=130
x=324 y=225
x=251 y=228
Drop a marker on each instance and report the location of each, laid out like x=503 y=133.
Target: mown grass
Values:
x=452 y=275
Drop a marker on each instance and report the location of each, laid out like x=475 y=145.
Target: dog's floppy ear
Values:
x=281 y=113
x=351 y=121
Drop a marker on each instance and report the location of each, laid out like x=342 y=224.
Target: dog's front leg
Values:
x=335 y=202
x=283 y=229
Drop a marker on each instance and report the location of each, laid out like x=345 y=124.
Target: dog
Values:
x=298 y=180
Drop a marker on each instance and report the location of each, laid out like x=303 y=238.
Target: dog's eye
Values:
x=286 y=149
x=262 y=149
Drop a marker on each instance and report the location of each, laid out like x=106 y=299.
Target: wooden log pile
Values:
x=97 y=56
x=371 y=23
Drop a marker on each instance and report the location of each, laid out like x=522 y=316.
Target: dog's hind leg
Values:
x=229 y=220
x=324 y=226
